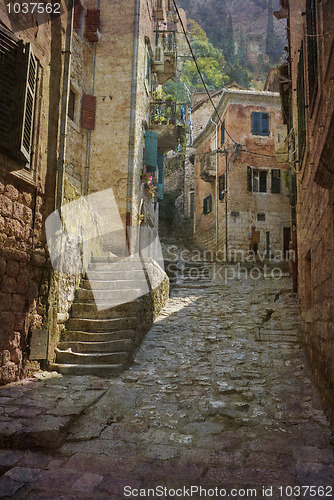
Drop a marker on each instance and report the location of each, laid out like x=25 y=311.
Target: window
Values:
x=261 y=217
x=191 y=203
x=18 y=69
x=260 y=123
x=207 y=205
x=275 y=181
x=256 y=180
x=71 y=105
x=221 y=182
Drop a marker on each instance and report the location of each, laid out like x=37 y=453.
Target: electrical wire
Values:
x=199 y=71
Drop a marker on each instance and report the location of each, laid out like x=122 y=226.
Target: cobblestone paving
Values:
x=220 y=396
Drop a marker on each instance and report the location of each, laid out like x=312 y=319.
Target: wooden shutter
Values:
x=78 y=10
x=255 y=123
x=88 y=111
x=28 y=103
x=249 y=178
x=221 y=182
x=222 y=134
x=264 y=123
x=92 y=24
x=207 y=205
x=151 y=149
x=275 y=181
x=10 y=48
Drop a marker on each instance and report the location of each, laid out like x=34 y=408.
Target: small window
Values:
x=260 y=123
x=276 y=181
x=261 y=217
x=207 y=205
x=71 y=105
x=256 y=180
x=235 y=214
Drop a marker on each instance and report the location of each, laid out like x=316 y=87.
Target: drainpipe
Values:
x=131 y=157
x=64 y=106
x=89 y=132
x=216 y=185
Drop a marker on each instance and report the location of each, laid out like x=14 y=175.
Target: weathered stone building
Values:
x=307 y=90
x=30 y=66
x=78 y=120
x=239 y=179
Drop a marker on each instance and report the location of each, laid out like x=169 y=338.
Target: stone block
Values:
x=6 y=206
x=23 y=282
x=12 y=268
x=18 y=302
x=18 y=211
x=27 y=215
x=2 y=223
x=26 y=199
x=11 y=192
x=7 y=322
x=8 y=284
x=2 y=266
x=14 y=228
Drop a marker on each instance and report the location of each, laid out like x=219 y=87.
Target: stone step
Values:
x=121 y=265
x=113 y=258
x=123 y=345
x=100 y=325
x=116 y=274
x=114 y=284
x=91 y=310
x=97 y=370
x=111 y=358
x=80 y=336
x=108 y=296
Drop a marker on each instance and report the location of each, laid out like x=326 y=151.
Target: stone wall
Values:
x=315 y=198
x=26 y=198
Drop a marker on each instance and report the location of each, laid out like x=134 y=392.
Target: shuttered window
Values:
x=256 y=180
x=275 y=181
x=260 y=123
x=28 y=102
x=92 y=24
x=222 y=133
x=88 y=111
x=151 y=150
x=18 y=69
x=77 y=16
x=301 y=107
x=207 y=205
x=312 y=56
x=249 y=178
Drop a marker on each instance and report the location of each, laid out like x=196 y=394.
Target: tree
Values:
x=210 y=61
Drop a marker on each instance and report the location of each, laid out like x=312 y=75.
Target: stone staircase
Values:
x=102 y=333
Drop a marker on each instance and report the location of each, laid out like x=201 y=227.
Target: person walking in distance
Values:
x=254 y=240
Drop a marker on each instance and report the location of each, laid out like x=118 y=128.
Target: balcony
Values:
x=165 y=55
x=165 y=119
x=208 y=167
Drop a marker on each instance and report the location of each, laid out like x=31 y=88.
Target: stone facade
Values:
x=249 y=165
x=112 y=74
x=27 y=188
x=312 y=121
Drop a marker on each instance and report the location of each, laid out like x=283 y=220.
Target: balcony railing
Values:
x=165 y=54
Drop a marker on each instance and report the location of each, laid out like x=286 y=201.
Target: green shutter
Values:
x=255 y=123
x=264 y=123
x=249 y=178
x=160 y=186
x=151 y=149
x=275 y=181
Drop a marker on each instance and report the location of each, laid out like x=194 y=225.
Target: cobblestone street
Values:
x=220 y=395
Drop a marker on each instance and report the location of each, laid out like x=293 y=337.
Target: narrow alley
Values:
x=219 y=403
